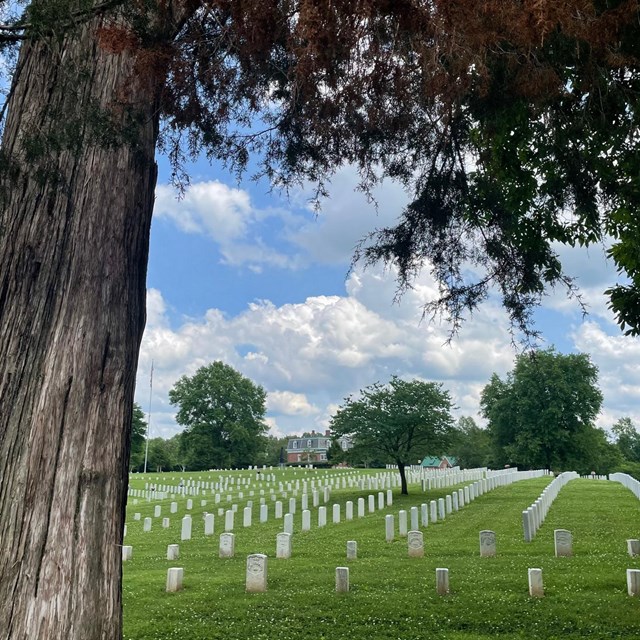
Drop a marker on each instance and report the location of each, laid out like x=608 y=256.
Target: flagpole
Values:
x=146 y=447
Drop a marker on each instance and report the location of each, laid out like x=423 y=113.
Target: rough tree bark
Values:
x=74 y=232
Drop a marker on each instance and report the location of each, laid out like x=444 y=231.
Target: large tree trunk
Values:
x=74 y=228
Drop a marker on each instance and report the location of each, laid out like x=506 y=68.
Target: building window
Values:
x=308 y=443
x=295 y=444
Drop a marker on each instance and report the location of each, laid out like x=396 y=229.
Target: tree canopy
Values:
x=138 y=435
x=511 y=124
x=398 y=422
x=471 y=444
x=223 y=415
x=542 y=415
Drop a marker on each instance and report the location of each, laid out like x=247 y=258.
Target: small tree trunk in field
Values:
x=403 y=478
x=74 y=232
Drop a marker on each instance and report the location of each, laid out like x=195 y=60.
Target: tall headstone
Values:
x=360 y=507
x=389 y=497
x=228 y=519
x=381 y=500
x=283 y=545
x=127 y=553
x=433 y=505
x=306 y=520
x=441 y=509
x=633 y=547
x=487 y=544
x=166 y=523
x=563 y=543
x=372 y=503
x=536 y=588
x=173 y=552
x=185 y=533
x=342 y=579
x=527 y=526
x=348 y=510
x=157 y=510
x=442 y=581
x=288 y=523
x=448 y=504
x=389 y=527
x=278 y=508
x=336 y=513
x=189 y=504
x=256 y=580
x=264 y=513
x=415 y=521
x=322 y=516
x=246 y=516
x=174 y=579
x=147 y=524
x=424 y=514
x=227 y=548
x=402 y=523
x=633 y=582
x=415 y=544
x=352 y=550
x=208 y=524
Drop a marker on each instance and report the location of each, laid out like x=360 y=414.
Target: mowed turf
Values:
x=393 y=596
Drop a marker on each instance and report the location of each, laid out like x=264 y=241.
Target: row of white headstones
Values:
x=256 y=571
x=439 y=509
x=257 y=576
x=238 y=487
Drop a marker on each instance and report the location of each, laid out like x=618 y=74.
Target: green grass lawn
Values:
x=393 y=596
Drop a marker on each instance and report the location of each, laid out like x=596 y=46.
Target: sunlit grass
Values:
x=391 y=595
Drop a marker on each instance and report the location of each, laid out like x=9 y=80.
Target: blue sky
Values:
x=260 y=282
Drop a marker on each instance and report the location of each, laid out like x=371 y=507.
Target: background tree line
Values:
x=541 y=415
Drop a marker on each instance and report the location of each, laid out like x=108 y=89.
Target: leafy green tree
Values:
x=542 y=414
x=273 y=449
x=161 y=455
x=400 y=421
x=138 y=436
x=627 y=439
x=335 y=454
x=223 y=415
x=471 y=444
x=596 y=453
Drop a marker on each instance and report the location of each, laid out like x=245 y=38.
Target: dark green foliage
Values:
x=273 y=449
x=542 y=415
x=335 y=454
x=399 y=422
x=138 y=435
x=627 y=439
x=162 y=455
x=510 y=124
x=471 y=445
x=223 y=415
